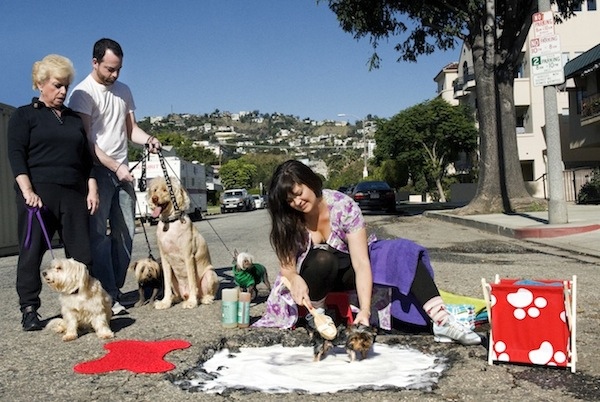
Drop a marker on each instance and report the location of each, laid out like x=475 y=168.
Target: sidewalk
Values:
x=581 y=234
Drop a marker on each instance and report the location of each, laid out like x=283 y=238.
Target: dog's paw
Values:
x=139 y=303
x=162 y=304
x=207 y=299
x=105 y=334
x=69 y=337
x=190 y=303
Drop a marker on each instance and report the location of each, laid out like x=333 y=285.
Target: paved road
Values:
x=39 y=366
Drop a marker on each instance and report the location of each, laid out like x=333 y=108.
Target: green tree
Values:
x=185 y=149
x=237 y=174
x=393 y=171
x=265 y=166
x=495 y=31
x=427 y=138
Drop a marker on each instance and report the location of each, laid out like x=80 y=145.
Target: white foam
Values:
x=278 y=369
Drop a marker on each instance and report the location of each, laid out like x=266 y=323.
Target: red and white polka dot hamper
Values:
x=532 y=321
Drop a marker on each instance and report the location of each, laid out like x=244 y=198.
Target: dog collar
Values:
x=178 y=216
x=174 y=217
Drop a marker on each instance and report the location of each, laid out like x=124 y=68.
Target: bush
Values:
x=590 y=191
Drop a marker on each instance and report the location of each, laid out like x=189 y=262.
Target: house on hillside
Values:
x=529 y=100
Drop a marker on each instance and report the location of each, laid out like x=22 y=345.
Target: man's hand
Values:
x=123 y=174
x=154 y=144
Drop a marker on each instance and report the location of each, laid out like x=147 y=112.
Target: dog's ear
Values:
x=132 y=265
x=235 y=253
x=83 y=275
x=185 y=199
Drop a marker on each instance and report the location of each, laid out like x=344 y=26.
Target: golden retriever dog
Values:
x=84 y=303
x=149 y=276
x=187 y=269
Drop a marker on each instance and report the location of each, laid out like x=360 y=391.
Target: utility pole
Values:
x=365 y=173
x=557 y=207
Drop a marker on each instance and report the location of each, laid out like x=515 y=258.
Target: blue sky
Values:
x=195 y=56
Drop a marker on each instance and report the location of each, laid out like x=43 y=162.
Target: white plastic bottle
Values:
x=229 y=308
x=243 y=313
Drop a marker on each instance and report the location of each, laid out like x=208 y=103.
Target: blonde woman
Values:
x=51 y=162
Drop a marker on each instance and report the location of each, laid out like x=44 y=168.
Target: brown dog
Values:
x=187 y=269
x=149 y=276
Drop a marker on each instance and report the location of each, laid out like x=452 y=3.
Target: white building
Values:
x=529 y=99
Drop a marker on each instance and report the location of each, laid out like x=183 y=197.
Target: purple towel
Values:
x=394 y=263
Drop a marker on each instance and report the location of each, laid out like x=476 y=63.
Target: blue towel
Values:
x=525 y=282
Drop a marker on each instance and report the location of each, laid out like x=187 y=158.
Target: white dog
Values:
x=84 y=303
x=187 y=269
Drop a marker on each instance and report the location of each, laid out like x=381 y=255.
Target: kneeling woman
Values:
x=321 y=242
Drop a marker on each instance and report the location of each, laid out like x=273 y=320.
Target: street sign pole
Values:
x=557 y=207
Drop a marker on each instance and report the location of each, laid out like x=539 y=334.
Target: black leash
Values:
x=142 y=182
x=161 y=158
x=142 y=187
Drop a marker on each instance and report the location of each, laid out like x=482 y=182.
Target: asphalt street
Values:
x=38 y=366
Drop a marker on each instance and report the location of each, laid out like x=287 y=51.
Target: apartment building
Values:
x=577 y=35
x=584 y=99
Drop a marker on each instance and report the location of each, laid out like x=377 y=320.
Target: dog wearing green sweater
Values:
x=248 y=274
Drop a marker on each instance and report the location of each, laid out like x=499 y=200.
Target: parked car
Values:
x=236 y=200
x=260 y=202
x=374 y=195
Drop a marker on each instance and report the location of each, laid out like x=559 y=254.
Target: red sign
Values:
x=543 y=24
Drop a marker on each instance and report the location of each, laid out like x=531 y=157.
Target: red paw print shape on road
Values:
x=529 y=324
x=135 y=356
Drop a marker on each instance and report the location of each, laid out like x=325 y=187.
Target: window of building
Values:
x=520 y=73
x=521 y=116
x=591 y=5
x=527 y=168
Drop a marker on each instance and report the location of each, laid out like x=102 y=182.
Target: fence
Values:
x=8 y=212
x=573 y=180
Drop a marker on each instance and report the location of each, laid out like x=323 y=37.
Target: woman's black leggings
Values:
x=326 y=269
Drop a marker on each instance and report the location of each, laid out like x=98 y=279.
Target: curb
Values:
x=538 y=233
x=516 y=233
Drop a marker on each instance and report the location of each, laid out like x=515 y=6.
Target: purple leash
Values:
x=31 y=211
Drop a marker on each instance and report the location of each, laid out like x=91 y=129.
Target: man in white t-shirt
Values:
x=107 y=109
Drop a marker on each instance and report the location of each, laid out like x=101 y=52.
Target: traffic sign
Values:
x=544 y=45
x=547 y=70
x=543 y=24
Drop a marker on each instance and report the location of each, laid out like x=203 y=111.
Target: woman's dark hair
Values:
x=288 y=232
x=104 y=44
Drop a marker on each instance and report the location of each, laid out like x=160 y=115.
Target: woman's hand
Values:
x=362 y=317
x=299 y=290
x=29 y=196
x=93 y=199
x=32 y=199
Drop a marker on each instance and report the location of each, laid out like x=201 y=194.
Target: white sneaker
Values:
x=454 y=331
x=118 y=309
